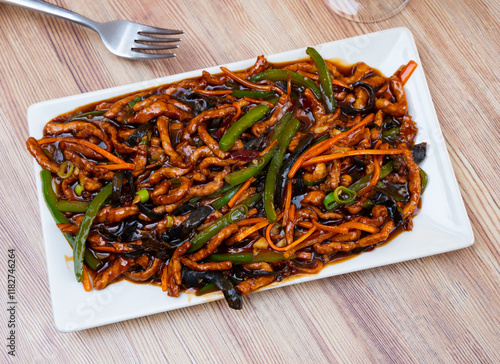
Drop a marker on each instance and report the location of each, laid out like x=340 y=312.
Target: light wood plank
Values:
x=439 y=309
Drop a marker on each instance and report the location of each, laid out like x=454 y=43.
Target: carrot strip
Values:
x=334 y=229
x=113 y=167
x=242 y=189
x=291 y=213
x=288 y=251
x=252 y=221
x=345 y=227
x=374 y=179
x=104 y=153
x=153 y=165
x=213 y=92
x=305 y=224
x=289 y=84
x=87 y=286
x=269 y=147
x=257 y=101
x=269 y=240
x=237 y=106
x=360 y=226
x=327 y=144
x=244 y=82
x=350 y=153
x=253 y=229
x=319 y=148
x=405 y=74
x=252 y=212
x=288 y=201
x=164 y=276
x=339 y=83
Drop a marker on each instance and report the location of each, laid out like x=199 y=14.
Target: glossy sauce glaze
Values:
x=174 y=142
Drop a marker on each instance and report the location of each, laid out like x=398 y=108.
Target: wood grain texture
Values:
x=439 y=309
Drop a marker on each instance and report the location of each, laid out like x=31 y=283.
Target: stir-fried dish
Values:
x=234 y=181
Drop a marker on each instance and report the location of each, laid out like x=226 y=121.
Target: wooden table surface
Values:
x=444 y=308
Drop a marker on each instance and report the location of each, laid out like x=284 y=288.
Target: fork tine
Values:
x=153 y=47
x=145 y=38
x=141 y=55
x=160 y=31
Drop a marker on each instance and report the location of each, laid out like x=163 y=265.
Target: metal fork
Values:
x=122 y=37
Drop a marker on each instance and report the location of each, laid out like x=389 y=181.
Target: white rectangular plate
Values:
x=441 y=226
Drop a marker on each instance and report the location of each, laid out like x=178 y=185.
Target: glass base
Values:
x=366 y=11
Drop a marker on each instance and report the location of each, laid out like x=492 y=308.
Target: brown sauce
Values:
x=190 y=98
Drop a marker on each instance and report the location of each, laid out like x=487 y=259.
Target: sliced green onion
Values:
x=143 y=194
x=66 y=169
x=134 y=101
x=368 y=204
x=344 y=195
x=170 y=221
x=341 y=196
x=424 y=179
x=79 y=189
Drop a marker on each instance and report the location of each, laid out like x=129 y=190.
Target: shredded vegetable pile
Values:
x=234 y=181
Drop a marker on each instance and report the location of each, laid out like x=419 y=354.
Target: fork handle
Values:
x=44 y=7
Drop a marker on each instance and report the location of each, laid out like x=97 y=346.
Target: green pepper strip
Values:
x=282 y=75
x=236 y=214
x=284 y=139
x=248 y=257
x=360 y=184
x=253 y=93
x=72 y=206
x=391 y=135
x=51 y=201
x=194 y=199
x=395 y=195
x=211 y=287
x=325 y=80
x=314 y=183
x=85 y=225
x=363 y=182
x=233 y=133
x=207 y=288
x=238 y=177
x=90 y=113
x=424 y=179
x=220 y=192
x=223 y=200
